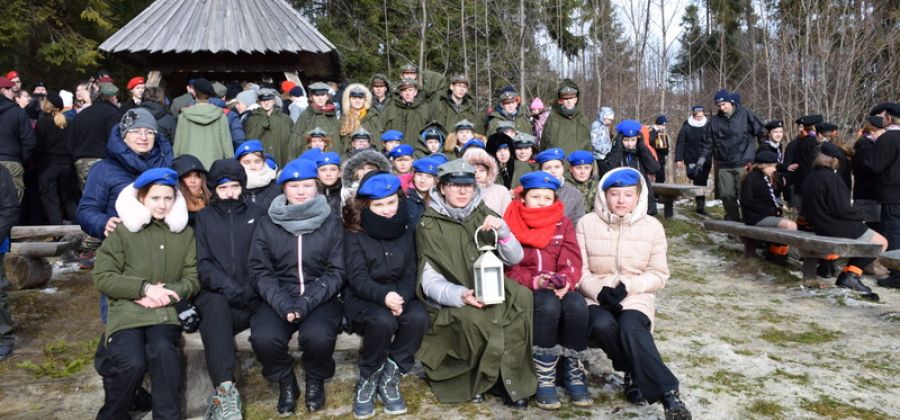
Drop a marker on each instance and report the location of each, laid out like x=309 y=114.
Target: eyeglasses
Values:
x=142 y=133
x=461 y=187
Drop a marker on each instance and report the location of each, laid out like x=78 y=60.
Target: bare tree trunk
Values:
x=387 y=39
x=522 y=47
x=462 y=27
x=487 y=40
x=422 y=37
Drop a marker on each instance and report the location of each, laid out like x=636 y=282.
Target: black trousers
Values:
x=386 y=335
x=219 y=322
x=131 y=352
x=627 y=341
x=560 y=321
x=269 y=335
x=890 y=229
x=662 y=156
x=56 y=183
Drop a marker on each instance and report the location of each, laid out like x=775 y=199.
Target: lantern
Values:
x=488 y=270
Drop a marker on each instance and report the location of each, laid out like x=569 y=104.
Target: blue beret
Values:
x=298 y=170
x=329 y=158
x=439 y=158
x=164 y=176
x=392 y=135
x=312 y=154
x=629 y=128
x=378 y=186
x=662 y=120
x=539 y=179
x=401 y=150
x=625 y=177
x=427 y=165
x=472 y=143
x=556 y=153
x=723 y=95
x=270 y=162
x=581 y=157
x=249 y=146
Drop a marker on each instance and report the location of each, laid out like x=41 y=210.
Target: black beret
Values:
x=825 y=127
x=808 y=120
x=205 y=87
x=765 y=156
x=892 y=108
x=54 y=98
x=829 y=149
x=771 y=125
x=875 y=120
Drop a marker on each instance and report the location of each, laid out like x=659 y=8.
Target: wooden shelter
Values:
x=224 y=40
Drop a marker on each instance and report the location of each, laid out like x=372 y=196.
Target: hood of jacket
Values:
x=135 y=216
x=345 y=102
x=159 y=157
x=605 y=112
x=443 y=138
x=202 y=113
x=386 y=81
x=476 y=156
x=602 y=209
x=155 y=109
x=6 y=104
x=360 y=158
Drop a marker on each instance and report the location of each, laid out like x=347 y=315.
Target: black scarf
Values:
x=385 y=228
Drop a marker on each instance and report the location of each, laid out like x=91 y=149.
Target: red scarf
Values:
x=329 y=107
x=533 y=226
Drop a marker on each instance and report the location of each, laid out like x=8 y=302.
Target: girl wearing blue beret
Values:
x=145 y=267
x=380 y=298
x=629 y=150
x=261 y=186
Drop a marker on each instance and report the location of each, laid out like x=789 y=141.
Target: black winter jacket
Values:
x=689 y=145
x=826 y=204
x=53 y=142
x=262 y=196
x=17 y=140
x=9 y=204
x=376 y=267
x=757 y=198
x=886 y=163
x=801 y=151
x=91 y=130
x=864 y=180
x=224 y=231
x=164 y=120
x=273 y=266
x=732 y=140
x=333 y=195
x=641 y=159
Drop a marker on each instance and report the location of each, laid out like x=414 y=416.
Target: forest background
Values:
x=641 y=57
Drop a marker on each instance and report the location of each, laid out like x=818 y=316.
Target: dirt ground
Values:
x=744 y=338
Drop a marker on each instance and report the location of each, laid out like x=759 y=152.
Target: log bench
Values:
x=197 y=385
x=667 y=193
x=811 y=247
x=890 y=259
x=26 y=263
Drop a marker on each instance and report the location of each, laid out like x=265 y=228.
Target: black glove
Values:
x=187 y=314
x=611 y=299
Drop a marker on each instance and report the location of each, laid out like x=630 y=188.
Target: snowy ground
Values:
x=745 y=339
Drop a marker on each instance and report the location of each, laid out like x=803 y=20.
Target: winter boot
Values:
x=389 y=388
x=632 y=392
x=315 y=393
x=827 y=268
x=701 y=204
x=778 y=254
x=364 y=396
x=675 y=408
x=849 y=279
x=288 y=391
x=225 y=403
x=575 y=381
x=545 y=366
x=891 y=282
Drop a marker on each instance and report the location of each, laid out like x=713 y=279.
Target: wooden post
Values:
x=153 y=78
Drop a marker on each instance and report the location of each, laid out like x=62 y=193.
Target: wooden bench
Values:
x=669 y=192
x=811 y=247
x=197 y=385
x=26 y=264
x=890 y=259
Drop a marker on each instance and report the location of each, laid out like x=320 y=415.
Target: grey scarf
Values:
x=456 y=213
x=299 y=219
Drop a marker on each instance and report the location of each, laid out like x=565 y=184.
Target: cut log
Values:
x=39 y=249
x=26 y=233
x=27 y=272
x=890 y=259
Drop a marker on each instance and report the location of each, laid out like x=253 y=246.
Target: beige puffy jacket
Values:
x=630 y=250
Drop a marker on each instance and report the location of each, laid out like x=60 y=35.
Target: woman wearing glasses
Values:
x=470 y=348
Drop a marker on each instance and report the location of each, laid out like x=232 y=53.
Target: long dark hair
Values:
x=352 y=213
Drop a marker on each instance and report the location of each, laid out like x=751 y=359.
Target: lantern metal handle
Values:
x=486 y=247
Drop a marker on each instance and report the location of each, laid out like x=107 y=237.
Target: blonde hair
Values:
x=59 y=120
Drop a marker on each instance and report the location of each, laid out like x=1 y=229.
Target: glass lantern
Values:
x=488 y=270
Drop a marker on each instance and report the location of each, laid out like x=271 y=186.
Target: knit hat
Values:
x=723 y=95
x=287 y=85
x=137 y=118
x=247 y=97
x=536 y=103
x=296 y=91
x=661 y=120
x=220 y=89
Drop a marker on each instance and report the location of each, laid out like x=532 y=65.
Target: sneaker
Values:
x=850 y=280
x=389 y=388
x=545 y=366
x=632 y=392
x=575 y=382
x=229 y=400
x=889 y=282
x=86 y=260
x=674 y=407
x=364 y=396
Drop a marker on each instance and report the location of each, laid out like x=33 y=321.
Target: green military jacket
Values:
x=571 y=132
x=408 y=118
x=371 y=123
x=447 y=113
x=312 y=118
x=274 y=131
x=521 y=121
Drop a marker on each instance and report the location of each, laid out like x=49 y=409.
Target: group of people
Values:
x=321 y=210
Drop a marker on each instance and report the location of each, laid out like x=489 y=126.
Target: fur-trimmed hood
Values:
x=476 y=156
x=135 y=216
x=359 y=159
x=345 y=98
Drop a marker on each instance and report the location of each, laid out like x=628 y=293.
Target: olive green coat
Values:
x=447 y=113
x=128 y=260
x=274 y=131
x=521 y=121
x=371 y=123
x=467 y=349
x=312 y=118
x=570 y=133
x=408 y=118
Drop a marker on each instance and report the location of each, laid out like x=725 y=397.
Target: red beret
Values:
x=6 y=83
x=12 y=75
x=137 y=80
x=287 y=85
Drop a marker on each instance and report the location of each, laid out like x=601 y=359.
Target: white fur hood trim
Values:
x=135 y=216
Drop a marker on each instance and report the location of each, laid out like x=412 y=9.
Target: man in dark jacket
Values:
x=688 y=148
x=90 y=131
x=17 y=140
x=885 y=163
x=224 y=230
x=9 y=214
x=730 y=138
